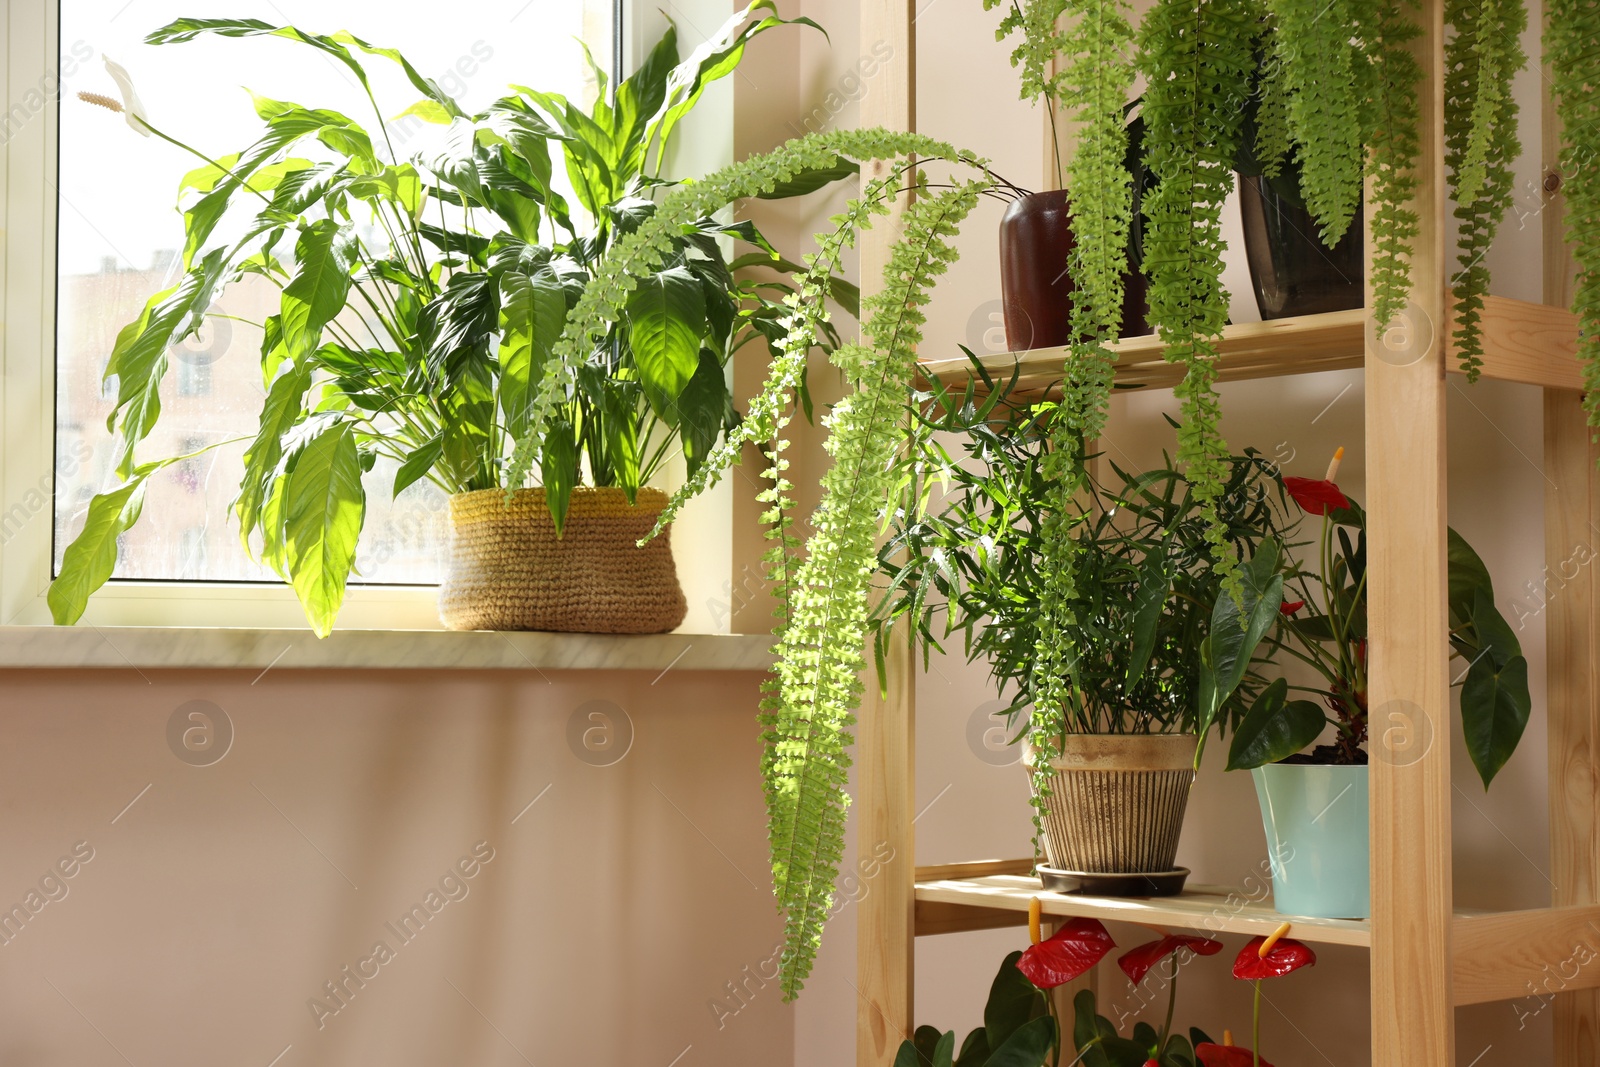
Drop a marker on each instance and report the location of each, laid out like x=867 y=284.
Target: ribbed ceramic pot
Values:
x=1316 y=822
x=1116 y=802
x=509 y=570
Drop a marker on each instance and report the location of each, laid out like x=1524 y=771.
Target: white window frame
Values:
x=30 y=86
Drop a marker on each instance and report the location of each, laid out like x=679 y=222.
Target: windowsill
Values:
x=205 y=648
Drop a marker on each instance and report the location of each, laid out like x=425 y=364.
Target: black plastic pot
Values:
x=1036 y=242
x=1292 y=271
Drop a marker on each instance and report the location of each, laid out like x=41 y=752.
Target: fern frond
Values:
x=1321 y=72
x=1393 y=142
x=1571 y=29
x=1198 y=58
x=1481 y=144
x=821 y=651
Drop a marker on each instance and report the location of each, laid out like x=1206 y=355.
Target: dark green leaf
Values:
x=1028 y=1046
x=1274 y=728
x=666 y=317
x=1013 y=1000
x=1236 y=630
x=809 y=181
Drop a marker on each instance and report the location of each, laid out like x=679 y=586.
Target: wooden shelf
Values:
x=1497 y=955
x=1530 y=343
x=966 y=897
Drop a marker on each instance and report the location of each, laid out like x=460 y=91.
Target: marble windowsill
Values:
x=194 y=648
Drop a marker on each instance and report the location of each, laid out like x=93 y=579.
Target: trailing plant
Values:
x=1481 y=144
x=815 y=686
x=974 y=565
x=423 y=337
x=1319 y=61
x=1393 y=144
x=1325 y=629
x=1198 y=58
x=1571 y=28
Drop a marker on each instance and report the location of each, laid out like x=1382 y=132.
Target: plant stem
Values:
x=1255 y=1028
x=1172 y=1004
x=201 y=155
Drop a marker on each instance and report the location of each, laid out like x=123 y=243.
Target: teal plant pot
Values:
x=1316 y=822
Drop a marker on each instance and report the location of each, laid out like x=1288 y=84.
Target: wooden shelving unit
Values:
x=1426 y=957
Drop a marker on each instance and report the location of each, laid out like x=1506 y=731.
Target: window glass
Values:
x=120 y=230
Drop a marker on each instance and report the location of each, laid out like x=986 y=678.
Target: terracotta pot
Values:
x=509 y=570
x=1036 y=242
x=1292 y=271
x=1116 y=802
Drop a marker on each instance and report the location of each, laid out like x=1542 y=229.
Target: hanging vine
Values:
x=1391 y=77
x=1198 y=58
x=1571 y=30
x=1480 y=127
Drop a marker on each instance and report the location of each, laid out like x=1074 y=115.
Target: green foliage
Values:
x=1571 y=28
x=433 y=346
x=1328 y=634
x=975 y=564
x=1198 y=58
x=1393 y=143
x=1481 y=145
x=1320 y=65
x=1018 y=1029
x=815 y=687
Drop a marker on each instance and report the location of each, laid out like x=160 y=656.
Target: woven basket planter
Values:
x=509 y=570
x=1116 y=802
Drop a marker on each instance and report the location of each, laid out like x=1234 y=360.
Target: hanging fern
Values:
x=1321 y=73
x=1392 y=75
x=1571 y=29
x=1273 y=141
x=810 y=699
x=1480 y=125
x=1198 y=58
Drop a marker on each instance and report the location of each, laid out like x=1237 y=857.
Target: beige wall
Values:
x=613 y=912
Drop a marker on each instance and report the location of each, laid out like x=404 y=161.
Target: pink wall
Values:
x=610 y=917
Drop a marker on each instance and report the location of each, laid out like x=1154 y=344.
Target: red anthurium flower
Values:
x=1152 y=1063
x=1226 y=1056
x=1316 y=497
x=1289 y=607
x=1066 y=954
x=1136 y=963
x=1285 y=957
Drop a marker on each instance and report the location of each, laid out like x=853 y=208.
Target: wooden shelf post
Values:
x=885 y=748
x=1413 y=1020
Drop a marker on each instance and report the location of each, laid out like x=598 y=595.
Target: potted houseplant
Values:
x=1314 y=804
x=421 y=339
x=1070 y=256
x=1113 y=763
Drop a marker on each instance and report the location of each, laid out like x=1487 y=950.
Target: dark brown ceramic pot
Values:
x=1036 y=243
x=1292 y=271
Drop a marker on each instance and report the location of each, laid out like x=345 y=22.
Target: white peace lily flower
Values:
x=133 y=110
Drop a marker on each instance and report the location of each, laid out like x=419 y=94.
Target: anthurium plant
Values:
x=1318 y=617
x=420 y=299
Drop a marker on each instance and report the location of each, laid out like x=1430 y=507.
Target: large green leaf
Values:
x=1495 y=702
x=1150 y=601
x=324 y=505
x=90 y=559
x=666 y=317
x=533 y=309
x=325 y=254
x=703 y=410
x=713 y=60
x=92 y=556
x=809 y=181
x=283 y=407
x=620 y=413
x=1236 y=630
x=468 y=405
x=1013 y=1000
x=418 y=463
x=1274 y=728
x=558 y=469
x=139 y=356
x=1467 y=575
x=1029 y=1046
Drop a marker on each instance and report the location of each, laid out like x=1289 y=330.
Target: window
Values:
x=117 y=235
x=88 y=232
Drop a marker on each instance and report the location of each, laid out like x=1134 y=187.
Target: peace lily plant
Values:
x=420 y=300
